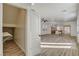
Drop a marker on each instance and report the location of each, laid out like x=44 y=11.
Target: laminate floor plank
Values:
x=11 y=49
x=58 y=45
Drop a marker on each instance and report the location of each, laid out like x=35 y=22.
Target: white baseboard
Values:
x=19 y=46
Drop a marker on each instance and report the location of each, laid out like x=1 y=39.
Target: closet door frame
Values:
x=18 y=5
x=1 y=33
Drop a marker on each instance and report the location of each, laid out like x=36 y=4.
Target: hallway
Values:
x=55 y=45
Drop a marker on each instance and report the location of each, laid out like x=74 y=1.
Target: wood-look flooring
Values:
x=11 y=49
x=51 y=45
x=58 y=45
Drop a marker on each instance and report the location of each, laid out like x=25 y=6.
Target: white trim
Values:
x=1 y=34
x=19 y=46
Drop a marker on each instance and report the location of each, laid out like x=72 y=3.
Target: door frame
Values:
x=21 y=6
x=1 y=33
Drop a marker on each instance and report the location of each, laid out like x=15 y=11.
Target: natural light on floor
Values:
x=56 y=43
x=47 y=46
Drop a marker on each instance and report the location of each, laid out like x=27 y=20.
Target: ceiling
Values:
x=56 y=11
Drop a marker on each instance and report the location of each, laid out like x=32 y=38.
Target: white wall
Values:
x=20 y=29
x=73 y=25
x=1 y=39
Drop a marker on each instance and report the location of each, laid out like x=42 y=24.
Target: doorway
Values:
x=67 y=30
x=13 y=30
